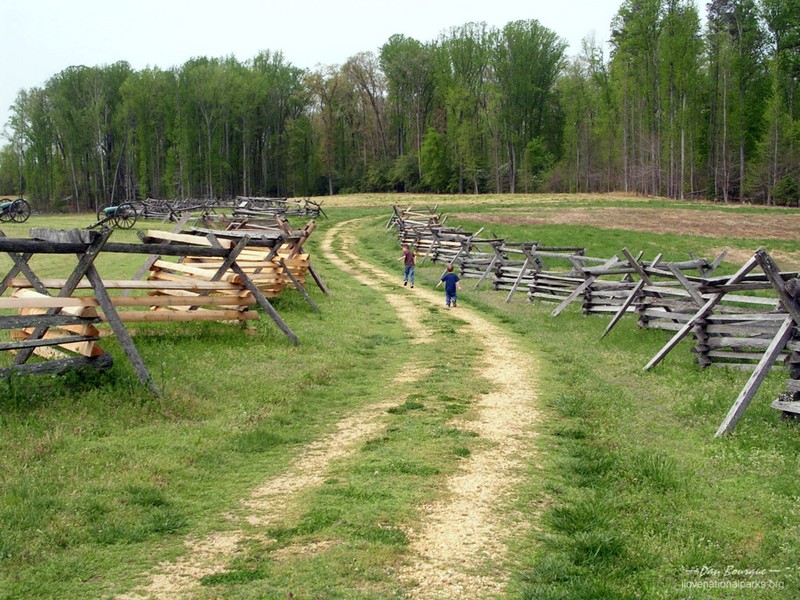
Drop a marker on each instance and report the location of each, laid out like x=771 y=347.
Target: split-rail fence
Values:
x=748 y=321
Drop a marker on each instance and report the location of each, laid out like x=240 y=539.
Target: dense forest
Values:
x=684 y=105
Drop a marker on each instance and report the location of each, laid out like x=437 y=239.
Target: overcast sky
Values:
x=42 y=37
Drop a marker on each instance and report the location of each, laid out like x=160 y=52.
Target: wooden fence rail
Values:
x=746 y=321
x=213 y=278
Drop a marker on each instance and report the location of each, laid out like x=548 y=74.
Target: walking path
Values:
x=457 y=549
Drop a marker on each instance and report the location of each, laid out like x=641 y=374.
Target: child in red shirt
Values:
x=409 y=261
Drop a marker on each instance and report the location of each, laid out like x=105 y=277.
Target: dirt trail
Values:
x=457 y=550
x=267 y=503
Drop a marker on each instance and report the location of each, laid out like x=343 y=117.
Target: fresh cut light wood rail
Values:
x=181 y=290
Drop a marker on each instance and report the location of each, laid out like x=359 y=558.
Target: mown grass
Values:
x=629 y=496
x=102 y=480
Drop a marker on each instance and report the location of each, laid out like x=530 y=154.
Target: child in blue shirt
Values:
x=451 y=284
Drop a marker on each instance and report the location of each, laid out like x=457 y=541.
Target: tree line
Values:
x=677 y=109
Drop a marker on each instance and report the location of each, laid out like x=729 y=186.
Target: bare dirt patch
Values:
x=782 y=225
x=179 y=578
x=386 y=201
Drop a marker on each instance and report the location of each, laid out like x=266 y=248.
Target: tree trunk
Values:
x=625 y=134
x=682 y=176
x=244 y=159
x=512 y=169
x=725 y=176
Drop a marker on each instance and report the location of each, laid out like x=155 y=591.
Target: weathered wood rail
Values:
x=402 y=217
x=242 y=206
x=746 y=321
x=171 y=210
x=259 y=206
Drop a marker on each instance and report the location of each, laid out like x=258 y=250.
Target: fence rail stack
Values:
x=748 y=321
x=258 y=206
x=188 y=276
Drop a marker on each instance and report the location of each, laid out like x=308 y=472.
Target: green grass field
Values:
x=629 y=494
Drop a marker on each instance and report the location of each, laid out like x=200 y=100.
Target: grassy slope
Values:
x=100 y=481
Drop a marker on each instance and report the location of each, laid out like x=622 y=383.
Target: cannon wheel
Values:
x=124 y=217
x=20 y=210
